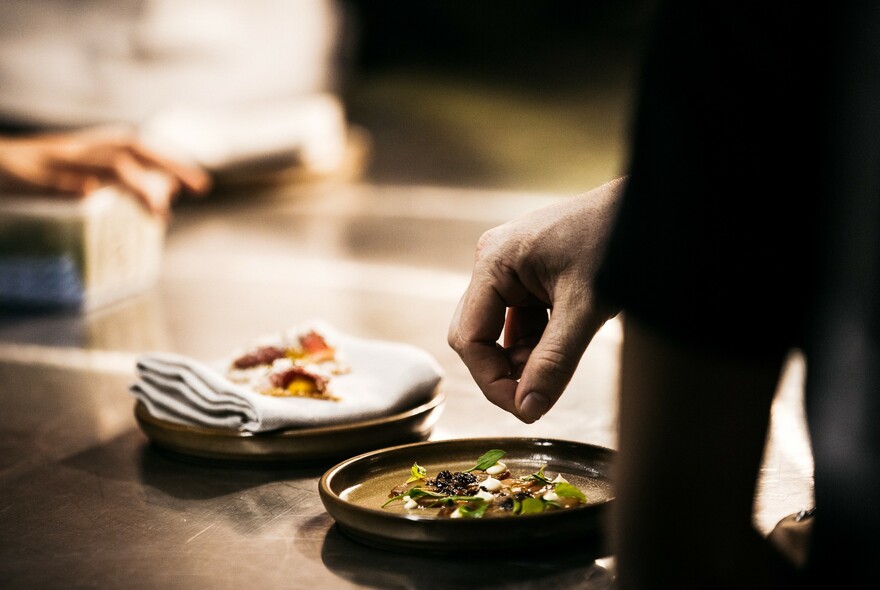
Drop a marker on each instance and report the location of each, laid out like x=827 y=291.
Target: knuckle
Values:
x=453 y=339
x=555 y=361
x=486 y=242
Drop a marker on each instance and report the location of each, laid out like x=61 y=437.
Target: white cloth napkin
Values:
x=384 y=378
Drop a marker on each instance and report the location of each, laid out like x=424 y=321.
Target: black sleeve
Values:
x=714 y=234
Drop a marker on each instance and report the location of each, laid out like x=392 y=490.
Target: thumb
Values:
x=553 y=361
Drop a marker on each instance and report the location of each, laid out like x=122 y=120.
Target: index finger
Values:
x=192 y=177
x=120 y=138
x=474 y=332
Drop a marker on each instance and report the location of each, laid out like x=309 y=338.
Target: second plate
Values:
x=295 y=446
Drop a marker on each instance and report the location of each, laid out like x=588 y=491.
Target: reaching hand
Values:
x=543 y=261
x=79 y=162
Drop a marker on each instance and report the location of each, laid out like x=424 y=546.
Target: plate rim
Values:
x=141 y=412
x=301 y=446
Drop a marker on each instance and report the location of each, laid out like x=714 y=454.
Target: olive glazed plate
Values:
x=302 y=445
x=354 y=491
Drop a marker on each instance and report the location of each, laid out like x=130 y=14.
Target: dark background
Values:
x=518 y=94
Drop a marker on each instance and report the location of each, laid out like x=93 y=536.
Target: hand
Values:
x=544 y=261
x=791 y=536
x=77 y=163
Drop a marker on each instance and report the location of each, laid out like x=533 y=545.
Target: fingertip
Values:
x=189 y=174
x=533 y=407
x=198 y=182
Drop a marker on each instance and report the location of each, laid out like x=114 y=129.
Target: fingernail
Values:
x=534 y=406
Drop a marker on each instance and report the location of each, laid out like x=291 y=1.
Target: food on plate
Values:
x=488 y=489
x=301 y=364
x=297 y=381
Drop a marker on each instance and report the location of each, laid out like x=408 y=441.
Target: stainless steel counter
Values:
x=85 y=502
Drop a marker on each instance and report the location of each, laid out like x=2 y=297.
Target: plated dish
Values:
x=300 y=445
x=306 y=376
x=359 y=494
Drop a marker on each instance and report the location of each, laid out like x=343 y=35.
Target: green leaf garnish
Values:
x=474 y=509
x=392 y=499
x=567 y=490
x=415 y=493
x=539 y=476
x=417 y=473
x=486 y=461
x=531 y=506
x=439 y=498
x=421 y=492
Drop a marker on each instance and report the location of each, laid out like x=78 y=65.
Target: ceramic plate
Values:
x=301 y=445
x=353 y=493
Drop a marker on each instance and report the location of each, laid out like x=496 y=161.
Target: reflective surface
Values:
x=87 y=502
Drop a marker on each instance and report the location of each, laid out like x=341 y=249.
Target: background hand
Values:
x=542 y=262
x=77 y=163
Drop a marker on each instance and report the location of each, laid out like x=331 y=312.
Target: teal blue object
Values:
x=41 y=281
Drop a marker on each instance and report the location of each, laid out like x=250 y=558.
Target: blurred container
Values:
x=81 y=254
x=306 y=135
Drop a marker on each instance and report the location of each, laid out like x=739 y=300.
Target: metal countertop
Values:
x=88 y=503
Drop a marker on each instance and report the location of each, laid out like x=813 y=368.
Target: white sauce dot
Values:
x=559 y=479
x=551 y=497
x=491 y=484
x=484 y=495
x=455 y=513
x=497 y=469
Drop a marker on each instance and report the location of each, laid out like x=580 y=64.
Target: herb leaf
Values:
x=473 y=509
x=438 y=498
x=567 y=490
x=420 y=492
x=415 y=493
x=539 y=476
x=487 y=460
x=417 y=473
x=392 y=499
x=531 y=506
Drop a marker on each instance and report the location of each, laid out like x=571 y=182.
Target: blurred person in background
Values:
x=160 y=95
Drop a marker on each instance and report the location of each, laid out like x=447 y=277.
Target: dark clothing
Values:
x=713 y=240
x=751 y=224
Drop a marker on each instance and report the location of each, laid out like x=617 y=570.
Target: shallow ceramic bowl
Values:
x=354 y=491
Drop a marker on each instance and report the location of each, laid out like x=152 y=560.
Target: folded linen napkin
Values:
x=364 y=379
